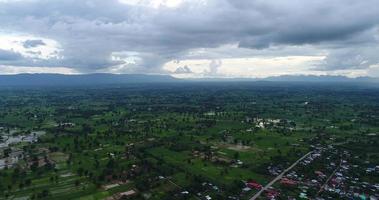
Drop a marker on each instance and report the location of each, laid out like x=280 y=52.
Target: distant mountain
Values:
x=112 y=79
x=83 y=79
x=323 y=78
x=296 y=78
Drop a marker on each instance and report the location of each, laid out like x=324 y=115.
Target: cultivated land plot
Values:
x=185 y=142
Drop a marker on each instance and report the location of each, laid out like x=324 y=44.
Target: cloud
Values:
x=213 y=67
x=9 y=56
x=356 y=57
x=183 y=70
x=20 y=70
x=90 y=32
x=33 y=43
x=373 y=71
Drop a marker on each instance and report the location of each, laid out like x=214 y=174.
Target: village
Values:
x=12 y=142
x=327 y=171
x=96 y=146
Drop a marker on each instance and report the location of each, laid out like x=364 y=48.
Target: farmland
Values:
x=188 y=141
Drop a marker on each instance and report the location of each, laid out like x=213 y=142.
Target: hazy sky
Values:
x=191 y=38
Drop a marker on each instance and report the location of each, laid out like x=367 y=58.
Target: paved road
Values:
x=279 y=176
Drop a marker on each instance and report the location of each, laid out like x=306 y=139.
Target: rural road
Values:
x=279 y=177
x=328 y=179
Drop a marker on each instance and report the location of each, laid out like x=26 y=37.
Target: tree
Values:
x=45 y=193
x=236 y=155
x=77 y=183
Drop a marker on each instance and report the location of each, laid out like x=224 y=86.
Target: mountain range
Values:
x=107 y=79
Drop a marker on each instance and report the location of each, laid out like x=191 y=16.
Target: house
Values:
x=303 y=196
x=109 y=178
x=66 y=124
x=254 y=185
x=288 y=182
x=128 y=193
x=370 y=170
x=320 y=174
x=108 y=187
x=272 y=194
x=239 y=162
x=185 y=192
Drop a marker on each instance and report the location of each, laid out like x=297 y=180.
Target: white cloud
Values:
x=247 y=67
x=154 y=3
x=16 y=42
x=19 y=70
x=373 y=71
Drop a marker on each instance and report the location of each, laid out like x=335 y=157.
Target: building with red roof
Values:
x=254 y=185
x=288 y=182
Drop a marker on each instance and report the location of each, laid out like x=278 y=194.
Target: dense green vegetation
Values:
x=163 y=141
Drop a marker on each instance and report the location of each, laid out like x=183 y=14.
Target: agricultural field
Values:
x=189 y=141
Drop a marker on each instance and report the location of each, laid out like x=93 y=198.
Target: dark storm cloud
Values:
x=89 y=31
x=33 y=43
x=9 y=56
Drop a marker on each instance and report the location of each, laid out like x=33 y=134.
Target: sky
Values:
x=191 y=38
